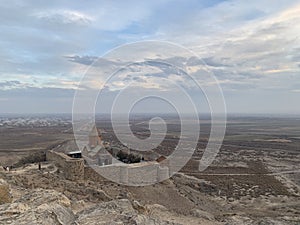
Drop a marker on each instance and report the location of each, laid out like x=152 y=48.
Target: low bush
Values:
x=32 y=158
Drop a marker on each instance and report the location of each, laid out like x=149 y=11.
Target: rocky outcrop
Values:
x=116 y=212
x=4 y=192
x=41 y=197
x=40 y=207
x=44 y=207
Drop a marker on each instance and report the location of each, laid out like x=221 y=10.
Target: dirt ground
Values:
x=254 y=179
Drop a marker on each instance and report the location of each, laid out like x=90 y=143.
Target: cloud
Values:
x=64 y=17
x=257 y=52
x=249 y=46
x=85 y=60
x=36 y=100
x=34 y=92
x=9 y=84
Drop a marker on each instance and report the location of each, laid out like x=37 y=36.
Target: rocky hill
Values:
x=45 y=197
x=32 y=196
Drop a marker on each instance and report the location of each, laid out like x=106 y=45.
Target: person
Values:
x=40 y=166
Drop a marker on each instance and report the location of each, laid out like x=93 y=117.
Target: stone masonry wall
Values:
x=133 y=174
x=73 y=168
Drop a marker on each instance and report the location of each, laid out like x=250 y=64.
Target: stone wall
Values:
x=132 y=174
x=73 y=168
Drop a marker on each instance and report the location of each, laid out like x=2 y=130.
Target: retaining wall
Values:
x=73 y=168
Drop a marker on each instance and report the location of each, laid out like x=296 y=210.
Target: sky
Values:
x=251 y=47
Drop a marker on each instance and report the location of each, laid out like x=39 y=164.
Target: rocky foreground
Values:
x=30 y=196
x=30 y=199
x=41 y=206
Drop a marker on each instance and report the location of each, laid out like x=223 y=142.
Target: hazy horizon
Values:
x=201 y=115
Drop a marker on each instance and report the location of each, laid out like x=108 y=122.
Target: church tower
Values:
x=94 y=138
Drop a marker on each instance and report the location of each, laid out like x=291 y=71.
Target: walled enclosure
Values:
x=139 y=173
x=73 y=168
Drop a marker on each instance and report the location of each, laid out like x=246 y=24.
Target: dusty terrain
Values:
x=255 y=179
x=36 y=193
x=23 y=135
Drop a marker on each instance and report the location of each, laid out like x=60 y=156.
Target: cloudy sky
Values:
x=252 y=48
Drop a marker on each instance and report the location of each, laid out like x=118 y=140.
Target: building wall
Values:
x=73 y=168
x=132 y=174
